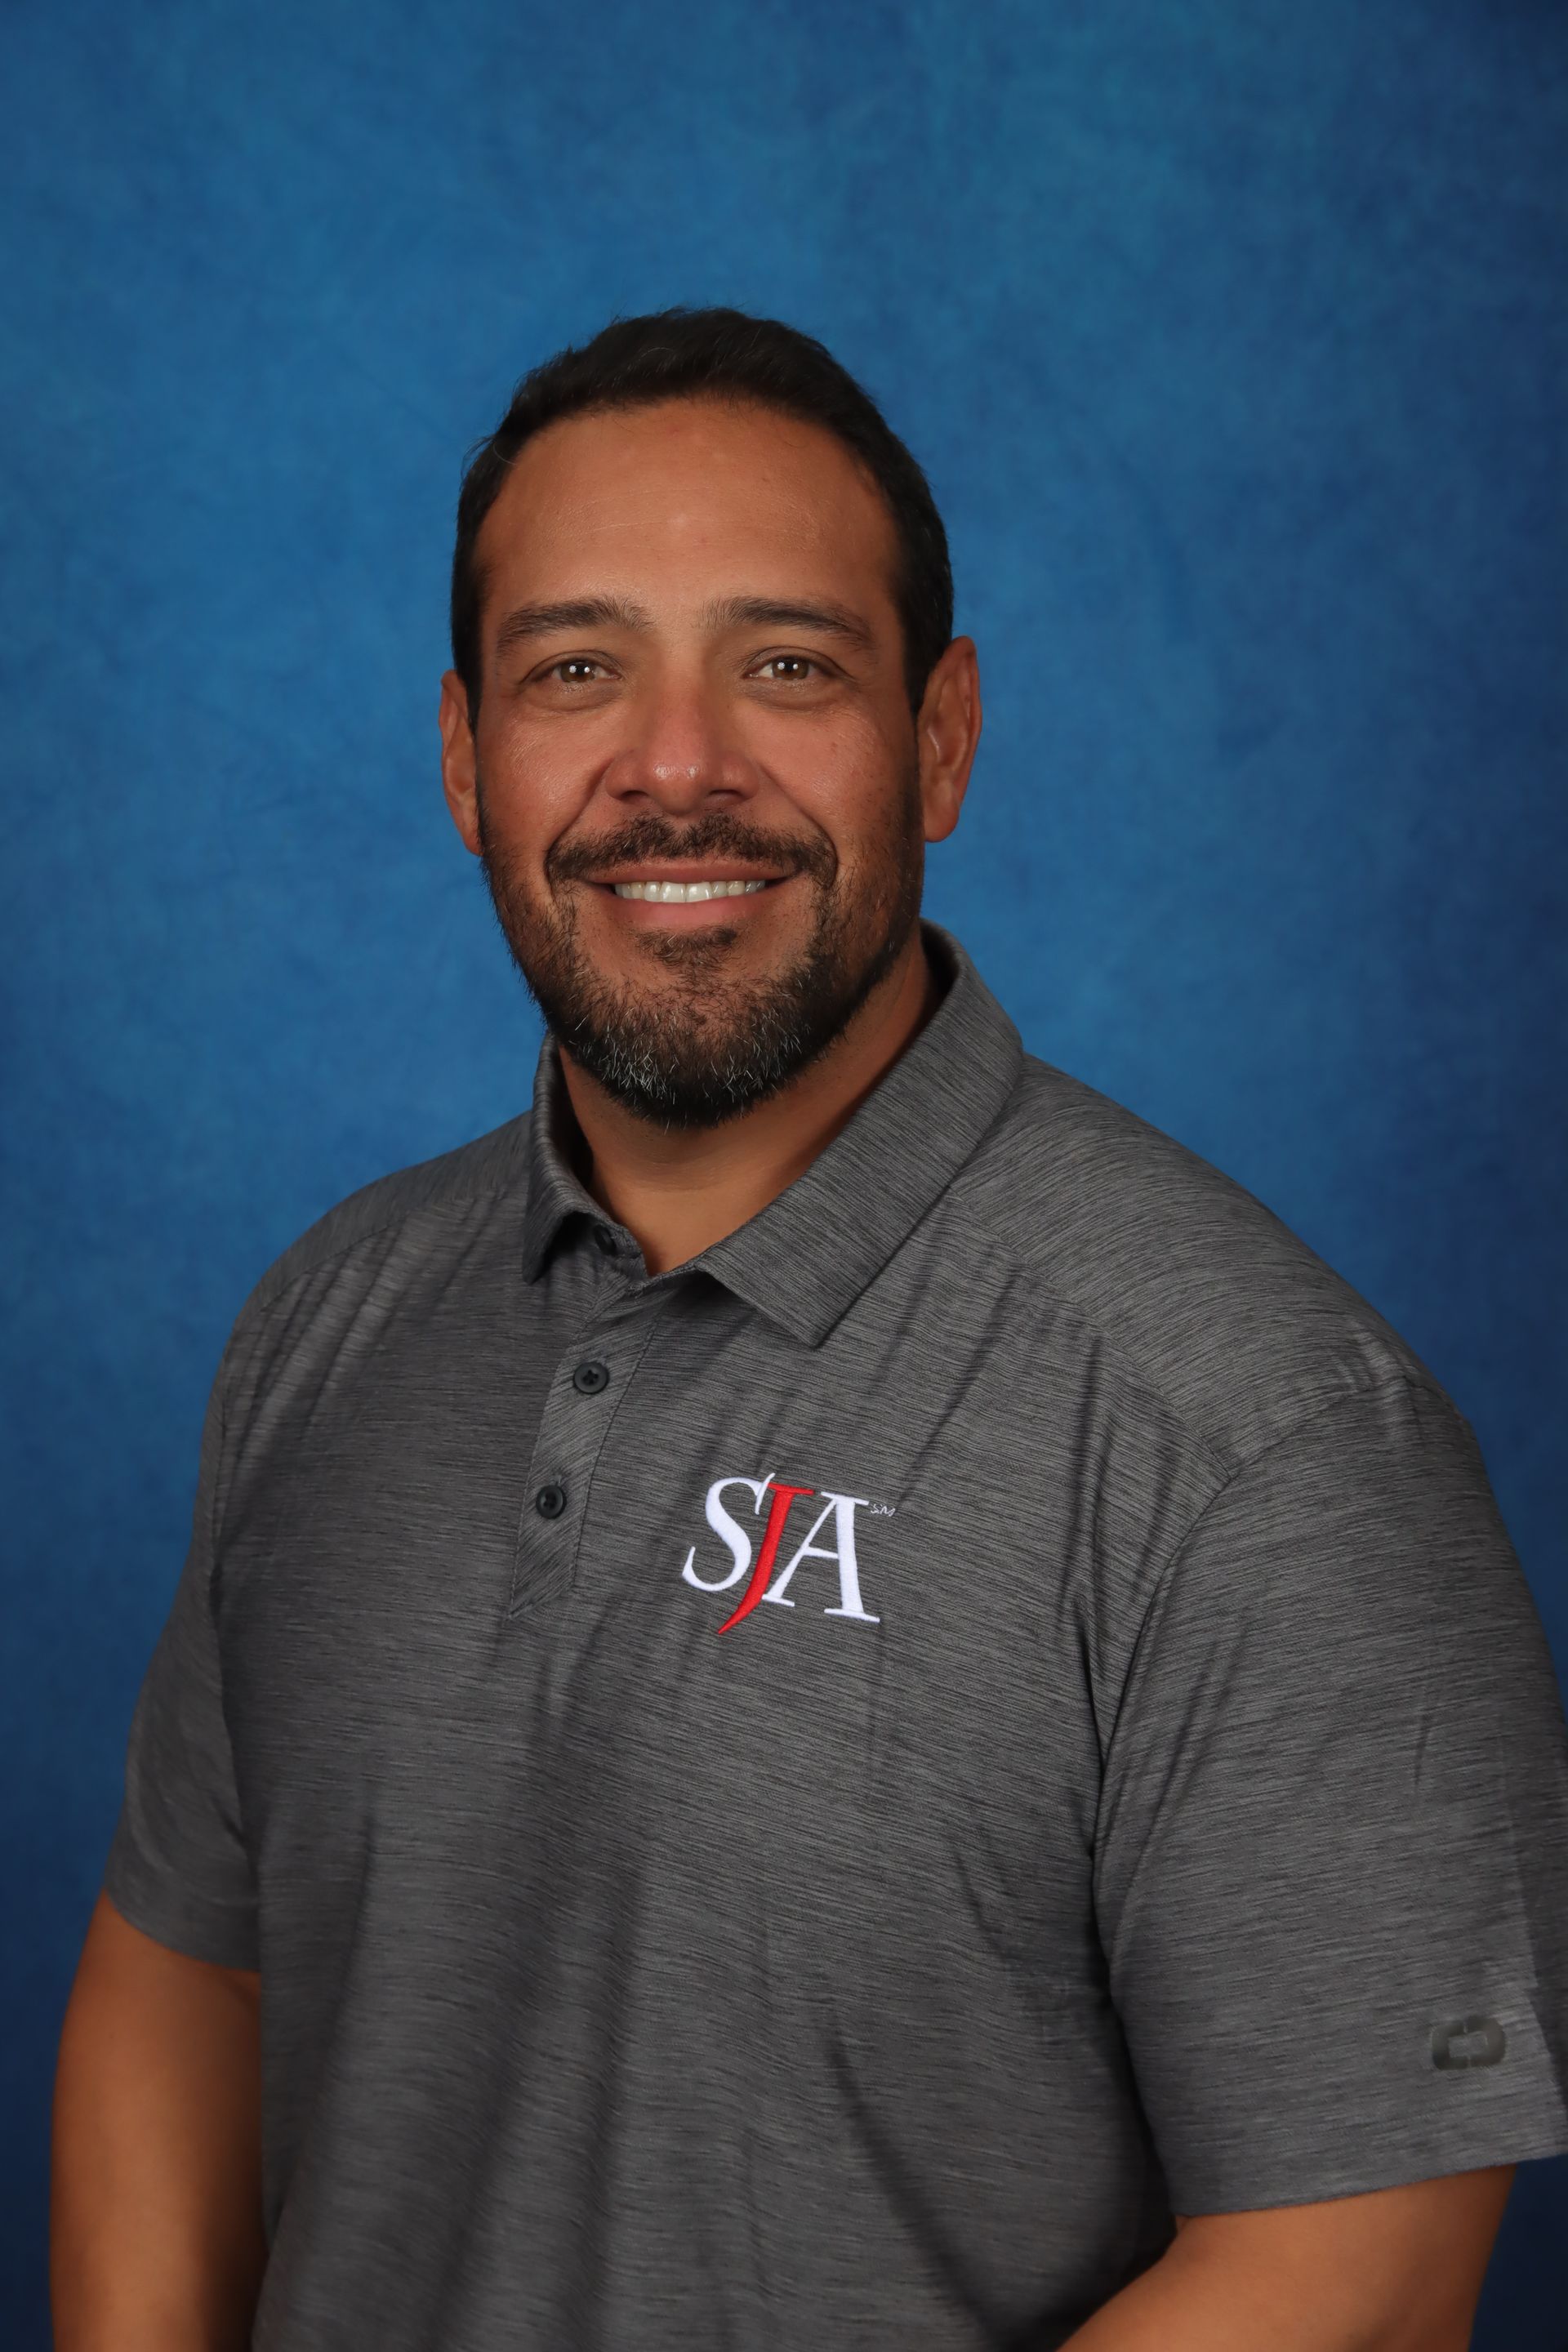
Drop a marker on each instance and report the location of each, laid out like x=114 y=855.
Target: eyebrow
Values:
x=526 y=622
x=763 y=612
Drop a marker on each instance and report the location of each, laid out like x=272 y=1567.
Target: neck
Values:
x=679 y=1191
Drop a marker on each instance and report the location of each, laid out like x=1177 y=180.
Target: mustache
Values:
x=718 y=834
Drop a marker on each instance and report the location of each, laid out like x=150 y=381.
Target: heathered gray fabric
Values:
x=885 y=1971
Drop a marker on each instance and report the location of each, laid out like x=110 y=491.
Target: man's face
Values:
x=695 y=780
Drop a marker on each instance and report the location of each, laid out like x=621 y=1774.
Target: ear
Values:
x=947 y=732
x=459 y=766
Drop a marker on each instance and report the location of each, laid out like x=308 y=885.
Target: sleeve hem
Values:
x=201 y=1931
x=1232 y=2191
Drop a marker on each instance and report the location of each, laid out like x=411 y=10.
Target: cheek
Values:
x=533 y=783
x=846 y=775
x=869 y=806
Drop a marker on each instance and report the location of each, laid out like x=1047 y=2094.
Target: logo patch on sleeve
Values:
x=1460 y=2041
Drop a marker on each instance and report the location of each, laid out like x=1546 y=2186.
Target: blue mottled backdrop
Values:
x=1235 y=341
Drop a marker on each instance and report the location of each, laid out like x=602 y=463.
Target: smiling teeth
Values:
x=685 y=894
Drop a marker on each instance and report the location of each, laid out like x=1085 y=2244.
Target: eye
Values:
x=576 y=669
x=788 y=669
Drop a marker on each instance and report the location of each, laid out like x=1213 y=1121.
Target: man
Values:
x=827 y=1696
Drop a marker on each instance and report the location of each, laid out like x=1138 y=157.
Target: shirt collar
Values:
x=804 y=1259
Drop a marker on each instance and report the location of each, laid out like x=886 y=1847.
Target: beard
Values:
x=701 y=1044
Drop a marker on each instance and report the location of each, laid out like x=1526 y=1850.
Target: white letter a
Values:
x=842 y=1510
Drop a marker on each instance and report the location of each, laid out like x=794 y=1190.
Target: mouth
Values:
x=694 y=882
x=719 y=884
x=685 y=894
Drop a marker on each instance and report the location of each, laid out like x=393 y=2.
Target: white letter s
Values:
x=737 y=1541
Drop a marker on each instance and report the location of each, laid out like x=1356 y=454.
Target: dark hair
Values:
x=722 y=355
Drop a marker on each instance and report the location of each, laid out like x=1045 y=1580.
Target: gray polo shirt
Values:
x=815 y=1799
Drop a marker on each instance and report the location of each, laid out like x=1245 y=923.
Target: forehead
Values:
x=686 y=500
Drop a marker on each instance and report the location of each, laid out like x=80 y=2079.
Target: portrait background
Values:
x=1233 y=343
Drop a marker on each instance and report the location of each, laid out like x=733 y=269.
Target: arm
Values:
x=1397 y=2271
x=157 y=2241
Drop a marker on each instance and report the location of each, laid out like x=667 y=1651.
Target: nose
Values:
x=680 y=756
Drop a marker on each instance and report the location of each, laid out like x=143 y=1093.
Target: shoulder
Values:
x=490 y=1166
x=1203 y=1295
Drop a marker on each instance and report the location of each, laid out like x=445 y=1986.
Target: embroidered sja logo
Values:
x=754 y=1570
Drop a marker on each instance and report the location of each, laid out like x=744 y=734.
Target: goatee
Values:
x=700 y=1045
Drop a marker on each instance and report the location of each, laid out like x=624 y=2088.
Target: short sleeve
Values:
x=178 y=1867
x=1331 y=1865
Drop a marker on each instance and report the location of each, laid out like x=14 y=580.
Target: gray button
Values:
x=605 y=1240
x=550 y=1502
x=589 y=1379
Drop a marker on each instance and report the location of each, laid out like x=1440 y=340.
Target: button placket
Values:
x=592 y=1380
